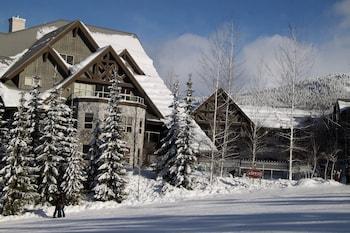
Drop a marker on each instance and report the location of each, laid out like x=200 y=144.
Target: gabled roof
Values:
x=267 y=116
x=79 y=69
x=129 y=59
x=221 y=91
x=43 y=45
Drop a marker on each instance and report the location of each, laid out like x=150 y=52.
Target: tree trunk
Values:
x=325 y=170
x=214 y=133
x=332 y=170
x=291 y=152
x=314 y=168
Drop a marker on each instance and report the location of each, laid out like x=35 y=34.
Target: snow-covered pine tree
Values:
x=167 y=152
x=65 y=121
x=74 y=174
x=17 y=175
x=35 y=114
x=110 y=178
x=93 y=155
x=182 y=168
x=3 y=139
x=50 y=151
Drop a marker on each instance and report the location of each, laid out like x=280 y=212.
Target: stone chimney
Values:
x=16 y=23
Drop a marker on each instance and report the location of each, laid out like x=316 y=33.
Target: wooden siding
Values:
x=74 y=46
x=44 y=69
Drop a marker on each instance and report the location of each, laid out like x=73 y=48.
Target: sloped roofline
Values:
x=125 y=52
x=43 y=46
x=110 y=49
x=221 y=90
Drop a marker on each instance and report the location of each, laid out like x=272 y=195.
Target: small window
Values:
x=30 y=82
x=68 y=58
x=128 y=124
x=140 y=127
x=64 y=56
x=89 y=118
x=86 y=149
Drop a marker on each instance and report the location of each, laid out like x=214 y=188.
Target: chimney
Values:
x=16 y=23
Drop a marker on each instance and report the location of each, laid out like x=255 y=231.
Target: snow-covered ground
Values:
x=230 y=205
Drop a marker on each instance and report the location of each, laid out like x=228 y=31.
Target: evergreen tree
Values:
x=35 y=115
x=181 y=169
x=51 y=151
x=17 y=175
x=168 y=151
x=74 y=175
x=3 y=140
x=110 y=178
x=93 y=155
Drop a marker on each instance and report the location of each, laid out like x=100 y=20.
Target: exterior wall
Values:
x=74 y=46
x=44 y=69
x=98 y=107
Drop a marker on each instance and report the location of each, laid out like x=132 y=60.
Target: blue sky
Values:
x=157 y=20
x=173 y=31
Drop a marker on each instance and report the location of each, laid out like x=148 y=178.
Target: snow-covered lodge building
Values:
x=272 y=158
x=80 y=59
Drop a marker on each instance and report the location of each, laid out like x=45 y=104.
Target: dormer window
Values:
x=68 y=58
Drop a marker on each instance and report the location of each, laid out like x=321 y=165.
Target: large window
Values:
x=68 y=58
x=102 y=91
x=89 y=118
x=82 y=89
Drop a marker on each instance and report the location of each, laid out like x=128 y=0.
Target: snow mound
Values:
x=316 y=182
x=146 y=189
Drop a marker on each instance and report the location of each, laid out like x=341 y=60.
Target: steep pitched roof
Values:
x=79 y=69
x=43 y=45
x=267 y=116
x=222 y=92
x=129 y=59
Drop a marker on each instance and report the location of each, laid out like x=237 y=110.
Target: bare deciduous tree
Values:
x=293 y=63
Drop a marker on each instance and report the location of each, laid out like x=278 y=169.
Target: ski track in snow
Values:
x=301 y=208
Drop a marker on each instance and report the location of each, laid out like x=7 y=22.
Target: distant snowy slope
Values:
x=317 y=94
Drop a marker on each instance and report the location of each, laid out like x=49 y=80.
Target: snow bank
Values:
x=145 y=189
x=316 y=182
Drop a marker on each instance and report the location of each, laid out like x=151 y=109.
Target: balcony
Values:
x=105 y=95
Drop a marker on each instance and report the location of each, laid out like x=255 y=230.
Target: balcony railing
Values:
x=105 y=95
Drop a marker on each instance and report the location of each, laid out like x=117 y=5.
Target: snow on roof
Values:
x=271 y=117
x=10 y=96
x=75 y=68
x=151 y=82
x=44 y=30
x=61 y=58
x=201 y=142
x=343 y=105
x=5 y=64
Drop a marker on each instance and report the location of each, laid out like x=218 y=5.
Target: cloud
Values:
x=342 y=9
x=257 y=56
x=329 y=57
x=181 y=56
